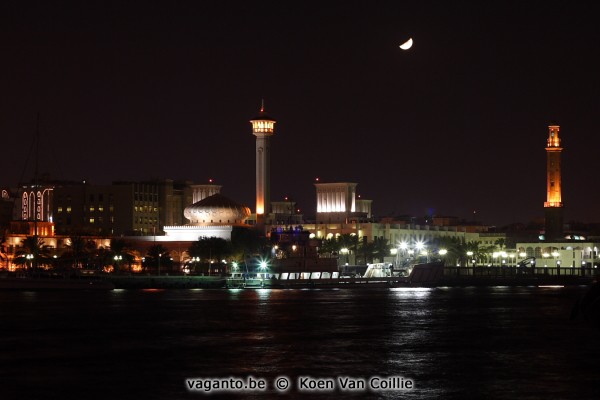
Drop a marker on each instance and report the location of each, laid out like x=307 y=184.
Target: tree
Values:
x=381 y=248
x=210 y=248
x=33 y=251
x=501 y=243
x=328 y=246
x=158 y=257
x=367 y=249
x=456 y=247
x=247 y=241
x=80 y=250
x=121 y=249
x=347 y=241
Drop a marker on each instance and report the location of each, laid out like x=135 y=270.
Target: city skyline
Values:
x=456 y=124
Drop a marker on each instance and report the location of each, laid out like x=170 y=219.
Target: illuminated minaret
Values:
x=263 y=127
x=553 y=206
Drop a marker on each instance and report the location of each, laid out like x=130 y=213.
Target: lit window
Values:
x=101 y=208
x=59 y=209
x=92 y=209
x=69 y=209
x=91 y=220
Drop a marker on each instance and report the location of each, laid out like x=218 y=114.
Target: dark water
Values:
x=481 y=343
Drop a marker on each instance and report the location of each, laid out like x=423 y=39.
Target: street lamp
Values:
x=195 y=260
x=263 y=267
x=545 y=256
x=345 y=251
x=30 y=258
x=555 y=254
x=117 y=259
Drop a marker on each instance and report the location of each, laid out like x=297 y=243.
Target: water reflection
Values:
x=454 y=342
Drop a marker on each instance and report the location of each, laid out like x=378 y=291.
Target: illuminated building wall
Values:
x=335 y=201
x=263 y=128
x=364 y=206
x=553 y=184
x=34 y=203
x=285 y=212
x=200 y=192
x=553 y=206
x=173 y=197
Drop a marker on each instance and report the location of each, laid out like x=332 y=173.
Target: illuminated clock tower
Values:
x=553 y=206
x=263 y=128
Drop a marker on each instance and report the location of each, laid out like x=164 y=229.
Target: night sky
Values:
x=457 y=124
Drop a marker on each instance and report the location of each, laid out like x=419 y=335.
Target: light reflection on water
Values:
x=496 y=343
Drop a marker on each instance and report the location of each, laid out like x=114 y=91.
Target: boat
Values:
x=421 y=275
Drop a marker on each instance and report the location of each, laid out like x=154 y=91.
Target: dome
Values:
x=216 y=209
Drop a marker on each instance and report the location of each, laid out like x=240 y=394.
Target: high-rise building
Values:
x=553 y=206
x=123 y=208
x=263 y=128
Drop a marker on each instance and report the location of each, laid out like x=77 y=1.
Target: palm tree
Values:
x=120 y=250
x=348 y=241
x=34 y=251
x=210 y=248
x=158 y=256
x=79 y=251
x=367 y=249
x=245 y=241
x=480 y=253
x=328 y=246
x=501 y=243
x=456 y=247
x=381 y=248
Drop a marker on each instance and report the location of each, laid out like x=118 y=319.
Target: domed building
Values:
x=216 y=210
x=212 y=216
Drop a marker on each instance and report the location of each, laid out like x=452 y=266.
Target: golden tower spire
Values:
x=553 y=184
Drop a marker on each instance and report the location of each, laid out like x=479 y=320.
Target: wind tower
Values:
x=553 y=206
x=263 y=128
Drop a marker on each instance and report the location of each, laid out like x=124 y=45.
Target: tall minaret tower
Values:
x=263 y=128
x=553 y=206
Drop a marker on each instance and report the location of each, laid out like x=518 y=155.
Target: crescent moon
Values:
x=407 y=45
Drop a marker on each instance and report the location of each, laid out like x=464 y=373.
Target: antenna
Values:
x=37 y=149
